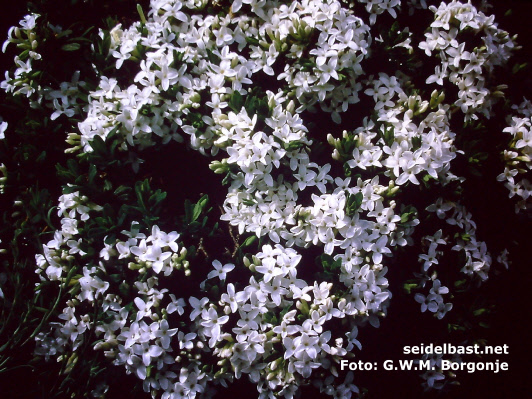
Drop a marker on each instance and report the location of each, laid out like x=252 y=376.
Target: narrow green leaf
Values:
x=71 y=47
x=248 y=241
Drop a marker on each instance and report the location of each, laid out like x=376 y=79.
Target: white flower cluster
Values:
x=377 y=7
x=180 y=69
x=158 y=252
x=60 y=251
x=466 y=63
x=193 y=77
x=435 y=378
x=518 y=158
x=20 y=83
x=478 y=260
x=404 y=148
x=65 y=99
x=141 y=342
x=329 y=74
x=434 y=300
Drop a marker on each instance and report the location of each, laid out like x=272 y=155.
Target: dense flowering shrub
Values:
x=338 y=154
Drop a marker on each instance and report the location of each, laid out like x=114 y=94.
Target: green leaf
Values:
x=98 y=145
x=41 y=157
x=460 y=283
x=110 y=239
x=416 y=142
x=73 y=166
x=347 y=170
x=519 y=67
x=188 y=211
x=199 y=207
x=353 y=203
x=236 y=102
x=479 y=312
x=92 y=172
x=455 y=327
x=408 y=214
x=71 y=47
x=107 y=185
x=226 y=180
x=248 y=202
x=141 y=14
x=409 y=287
x=248 y=241
x=293 y=145
x=389 y=136
x=122 y=191
x=252 y=40
x=116 y=278
x=212 y=57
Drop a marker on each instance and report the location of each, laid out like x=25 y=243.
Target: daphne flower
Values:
x=219 y=270
x=164 y=333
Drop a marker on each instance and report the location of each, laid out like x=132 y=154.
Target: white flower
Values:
x=147 y=352
x=164 y=333
x=213 y=323
x=3 y=127
x=219 y=270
